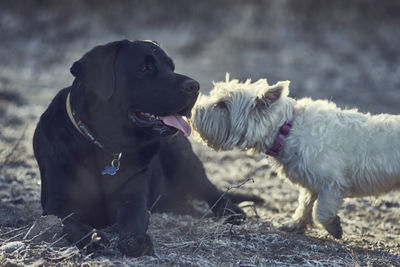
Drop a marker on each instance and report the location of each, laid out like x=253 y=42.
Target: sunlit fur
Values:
x=331 y=153
x=232 y=117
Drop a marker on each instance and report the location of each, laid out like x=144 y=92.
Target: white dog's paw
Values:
x=293 y=226
x=334 y=227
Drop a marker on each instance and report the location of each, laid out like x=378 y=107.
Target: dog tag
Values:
x=110 y=170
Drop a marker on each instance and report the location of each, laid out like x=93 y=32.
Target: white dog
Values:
x=329 y=152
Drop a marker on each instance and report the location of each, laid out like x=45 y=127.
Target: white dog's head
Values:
x=242 y=114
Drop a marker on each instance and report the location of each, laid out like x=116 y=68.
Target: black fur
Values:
x=110 y=82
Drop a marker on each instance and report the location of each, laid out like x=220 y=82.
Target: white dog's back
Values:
x=359 y=152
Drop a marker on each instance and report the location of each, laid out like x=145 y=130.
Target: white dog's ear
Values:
x=273 y=93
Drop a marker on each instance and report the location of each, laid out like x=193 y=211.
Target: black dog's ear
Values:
x=75 y=69
x=96 y=69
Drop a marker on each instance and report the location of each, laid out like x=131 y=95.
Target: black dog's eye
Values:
x=147 y=68
x=148 y=64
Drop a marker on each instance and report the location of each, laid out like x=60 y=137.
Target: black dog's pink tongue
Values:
x=177 y=122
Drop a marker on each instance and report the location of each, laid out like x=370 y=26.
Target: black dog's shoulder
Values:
x=56 y=107
x=54 y=133
x=50 y=124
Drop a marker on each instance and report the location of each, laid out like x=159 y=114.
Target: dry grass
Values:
x=198 y=239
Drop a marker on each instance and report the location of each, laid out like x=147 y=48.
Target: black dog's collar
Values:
x=85 y=131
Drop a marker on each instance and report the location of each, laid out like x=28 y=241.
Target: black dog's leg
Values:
x=54 y=201
x=133 y=218
x=133 y=223
x=184 y=169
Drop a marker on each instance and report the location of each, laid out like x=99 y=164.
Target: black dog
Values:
x=109 y=147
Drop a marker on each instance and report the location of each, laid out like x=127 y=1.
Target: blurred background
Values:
x=345 y=51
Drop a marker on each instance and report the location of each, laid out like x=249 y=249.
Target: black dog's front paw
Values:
x=96 y=242
x=227 y=209
x=83 y=236
x=136 y=245
x=236 y=219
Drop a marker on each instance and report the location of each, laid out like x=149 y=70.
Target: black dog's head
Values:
x=136 y=81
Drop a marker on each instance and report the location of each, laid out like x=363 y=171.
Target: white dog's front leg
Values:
x=326 y=208
x=302 y=216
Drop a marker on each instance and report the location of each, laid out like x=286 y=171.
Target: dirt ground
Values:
x=346 y=51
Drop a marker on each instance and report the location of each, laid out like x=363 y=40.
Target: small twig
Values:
x=226 y=192
x=352 y=253
x=242 y=183
x=354 y=257
x=90 y=233
x=230 y=228
x=88 y=256
x=63 y=257
x=39 y=234
x=198 y=247
x=255 y=211
x=11 y=238
x=15 y=230
x=85 y=236
x=155 y=202
x=8 y=157
x=56 y=241
x=216 y=202
x=66 y=217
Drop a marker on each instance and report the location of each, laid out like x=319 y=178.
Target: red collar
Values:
x=283 y=132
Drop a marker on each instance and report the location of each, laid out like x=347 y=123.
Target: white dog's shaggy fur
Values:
x=331 y=153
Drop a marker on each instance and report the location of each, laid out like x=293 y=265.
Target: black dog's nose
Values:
x=190 y=86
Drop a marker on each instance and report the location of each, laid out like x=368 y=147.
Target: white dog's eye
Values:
x=261 y=103
x=221 y=104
